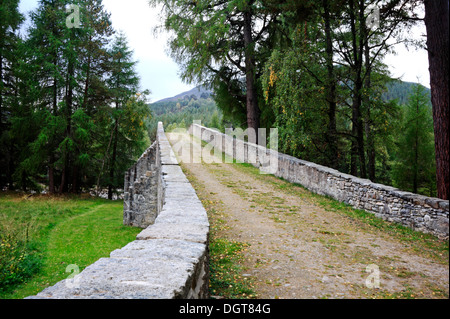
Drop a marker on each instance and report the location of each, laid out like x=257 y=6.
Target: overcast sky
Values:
x=159 y=73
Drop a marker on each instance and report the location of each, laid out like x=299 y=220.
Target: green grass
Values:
x=226 y=256
x=52 y=233
x=225 y=269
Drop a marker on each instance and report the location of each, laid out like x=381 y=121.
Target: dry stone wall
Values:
x=426 y=214
x=143 y=189
x=170 y=258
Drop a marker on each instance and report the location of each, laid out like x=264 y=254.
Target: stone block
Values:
x=183 y=216
x=124 y=278
x=196 y=233
x=162 y=249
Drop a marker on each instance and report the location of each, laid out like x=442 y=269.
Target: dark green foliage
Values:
x=415 y=168
x=68 y=90
x=10 y=20
x=18 y=262
x=332 y=96
x=231 y=101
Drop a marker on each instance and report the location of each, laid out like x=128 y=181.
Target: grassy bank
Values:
x=42 y=236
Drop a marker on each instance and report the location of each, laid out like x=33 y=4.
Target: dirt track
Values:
x=299 y=249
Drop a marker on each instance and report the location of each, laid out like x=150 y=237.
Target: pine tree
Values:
x=10 y=20
x=224 y=44
x=415 y=167
x=48 y=67
x=124 y=86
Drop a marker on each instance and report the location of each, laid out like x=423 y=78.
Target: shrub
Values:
x=17 y=261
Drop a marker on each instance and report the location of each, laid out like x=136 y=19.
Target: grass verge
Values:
x=50 y=233
x=227 y=258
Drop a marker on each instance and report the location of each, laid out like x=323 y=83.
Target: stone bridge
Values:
x=169 y=258
x=426 y=214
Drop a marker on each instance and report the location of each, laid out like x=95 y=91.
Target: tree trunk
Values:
x=51 y=175
x=1 y=94
x=51 y=161
x=370 y=148
x=86 y=104
x=436 y=20
x=113 y=161
x=63 y=181
x=55 y=90
x=75 y=179
x=252 y=99
x=9 y=177
x=357 y=151
x=366 y=100
x=64 y=187
x=332 y=151
x=415 y=164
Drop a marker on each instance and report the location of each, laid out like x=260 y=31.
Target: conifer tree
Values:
x=48 y=67
x=124 y=86
x=223 y=43
x=415 y=167
x=10 y=21
x=93 y=96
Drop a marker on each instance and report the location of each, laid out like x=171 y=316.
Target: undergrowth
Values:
x=40 y=236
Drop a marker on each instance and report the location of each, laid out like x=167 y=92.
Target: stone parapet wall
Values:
x=170 y=258
x=143 y=189
x=426 y=214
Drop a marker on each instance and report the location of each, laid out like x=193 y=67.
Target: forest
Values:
x=315 y=70
x=72 y=115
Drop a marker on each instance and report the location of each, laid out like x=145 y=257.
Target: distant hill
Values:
x=198 y=104
x=400 y=91
x=182 y=109
x=199 y=92
x=191 y=101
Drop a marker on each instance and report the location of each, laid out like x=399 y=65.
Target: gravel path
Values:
x=299 y=249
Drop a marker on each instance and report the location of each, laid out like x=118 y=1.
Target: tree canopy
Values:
x=72 y=113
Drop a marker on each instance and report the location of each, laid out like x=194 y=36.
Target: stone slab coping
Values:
x=196 y=233
x=162 y=260
x=127 y=278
